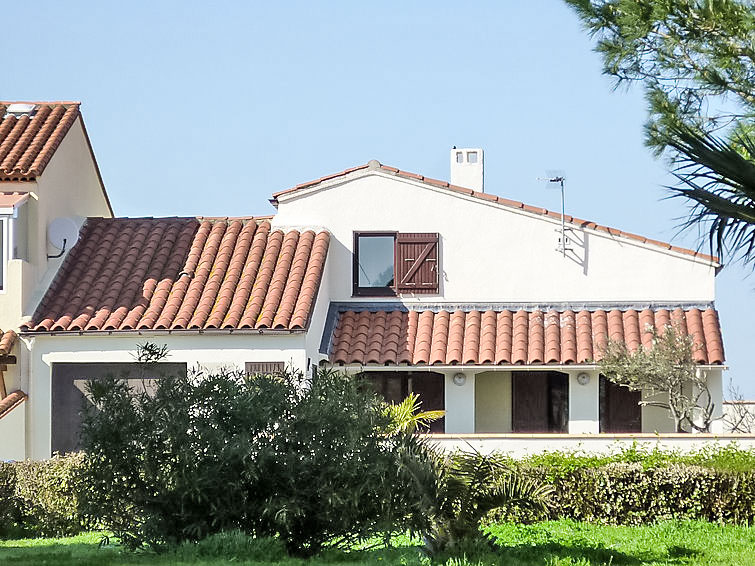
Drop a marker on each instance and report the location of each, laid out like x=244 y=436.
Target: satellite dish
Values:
x=62 y=234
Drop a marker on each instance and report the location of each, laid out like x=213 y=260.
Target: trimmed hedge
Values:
x=630 y=487
x=629 y=494
x=635 y=486
x=42 y=498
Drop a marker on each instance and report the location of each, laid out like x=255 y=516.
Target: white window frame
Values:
x=7 y=226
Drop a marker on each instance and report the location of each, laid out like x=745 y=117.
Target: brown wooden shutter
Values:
x=620 y=409
x=417 y=263
x=264 y=368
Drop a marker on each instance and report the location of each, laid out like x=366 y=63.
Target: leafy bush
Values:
x=637 y=486
x=472 y=485
x=264 y=454
x=42 y=498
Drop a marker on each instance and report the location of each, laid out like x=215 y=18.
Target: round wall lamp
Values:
x=459 y=379
x=583 y=378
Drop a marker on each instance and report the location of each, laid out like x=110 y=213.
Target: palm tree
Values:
x=718 y=176
x=407 y=416
x=470 y=485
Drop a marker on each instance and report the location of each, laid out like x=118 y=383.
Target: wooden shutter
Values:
x=431 y=389
x=264 y=368
x=620 y=409
x=530 y=401
x=417 y=263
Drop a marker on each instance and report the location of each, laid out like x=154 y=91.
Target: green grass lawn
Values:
x=554 y=543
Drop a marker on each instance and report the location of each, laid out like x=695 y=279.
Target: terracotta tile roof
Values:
x=184 y=274
x=27 y=142
x=507 y=336
x=7 y=340
x=10 y=402
x=11 y=199
x=499 y=200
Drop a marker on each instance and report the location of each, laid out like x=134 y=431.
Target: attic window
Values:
x=374 y=263
x=390 y=263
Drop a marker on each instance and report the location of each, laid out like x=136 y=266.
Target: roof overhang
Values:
x=11 y=202
x=167 y=332
x=486 y=368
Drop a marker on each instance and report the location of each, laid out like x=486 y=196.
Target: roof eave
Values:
x=165 y=332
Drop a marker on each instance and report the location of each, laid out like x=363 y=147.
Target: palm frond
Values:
x=718 y=176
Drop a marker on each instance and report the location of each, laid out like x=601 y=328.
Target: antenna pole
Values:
x=563 y=219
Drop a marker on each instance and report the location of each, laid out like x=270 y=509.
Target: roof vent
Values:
x=19 y=109
x=467 y=168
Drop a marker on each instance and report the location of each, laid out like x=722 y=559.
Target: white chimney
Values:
x=467 y=166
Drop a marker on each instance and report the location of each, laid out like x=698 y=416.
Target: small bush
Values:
x=270 y=455
x=42 y=498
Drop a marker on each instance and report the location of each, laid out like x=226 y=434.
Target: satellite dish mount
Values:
x=62 y=233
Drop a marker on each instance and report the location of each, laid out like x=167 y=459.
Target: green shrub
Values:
x=266 y=454
x=42 y=498
x=634 y=487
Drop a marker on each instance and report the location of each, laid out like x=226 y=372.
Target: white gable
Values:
x=491 y=252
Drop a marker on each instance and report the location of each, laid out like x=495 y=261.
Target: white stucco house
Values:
x=475 y=302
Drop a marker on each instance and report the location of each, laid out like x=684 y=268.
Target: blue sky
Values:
x=208 y=108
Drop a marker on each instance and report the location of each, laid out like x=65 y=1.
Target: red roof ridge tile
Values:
x=587 y=224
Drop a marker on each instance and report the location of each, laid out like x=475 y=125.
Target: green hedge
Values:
x=628 y=493
x=635 y=486
x=42 y=498
x=629 y=487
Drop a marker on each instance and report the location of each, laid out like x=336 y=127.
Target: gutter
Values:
x=482 y=368
x=166 y=332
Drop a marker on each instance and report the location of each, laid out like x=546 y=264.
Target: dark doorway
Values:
x=620 y=409
x=395 y=386
x=68 y=399
x=540 y=401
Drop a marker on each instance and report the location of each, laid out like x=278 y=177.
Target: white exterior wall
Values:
x=521 y=445
x=584 y=403
x=491 y=253
x=460 y=403
x=13 y=434
x=209 y=351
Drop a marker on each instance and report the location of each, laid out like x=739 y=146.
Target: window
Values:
x=459 y=157
x=264 y=368
x=472 y=157
x=390 y=263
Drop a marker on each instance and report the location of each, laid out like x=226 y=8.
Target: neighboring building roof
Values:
x=184 y=274
x=10 y=402
x=375 y=165
x=27 y=142
x=494 y=336
x=7 y=340
x=10 y=200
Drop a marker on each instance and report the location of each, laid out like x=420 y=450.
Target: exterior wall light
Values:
x=459 y=379
x=583 y=378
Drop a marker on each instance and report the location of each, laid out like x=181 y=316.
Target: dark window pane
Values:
x=375 y=261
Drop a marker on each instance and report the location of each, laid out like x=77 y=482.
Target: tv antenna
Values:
x=557 y=177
